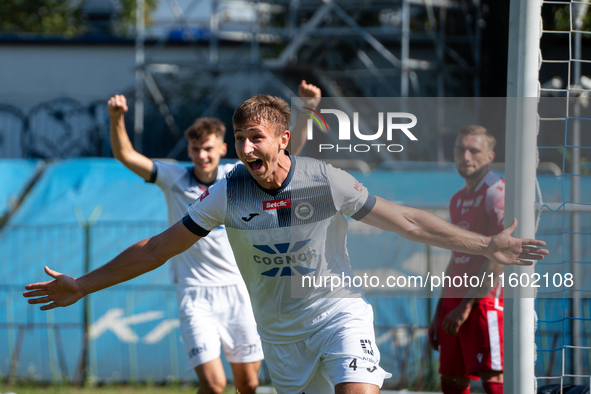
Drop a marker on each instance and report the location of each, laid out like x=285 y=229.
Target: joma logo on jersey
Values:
x=345 y=130
x=285 y=253
x=276 y=204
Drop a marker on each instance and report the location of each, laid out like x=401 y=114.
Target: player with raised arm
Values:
x=214 y=307
x=467 y=327
x=313 y=345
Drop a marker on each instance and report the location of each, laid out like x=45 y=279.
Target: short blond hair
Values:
x=475 y=129
x=259 y=108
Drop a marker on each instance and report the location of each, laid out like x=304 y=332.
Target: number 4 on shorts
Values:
x=353 y=364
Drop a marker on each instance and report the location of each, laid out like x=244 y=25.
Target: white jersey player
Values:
x=214 y=307
x=293 y=233
x=314 y=343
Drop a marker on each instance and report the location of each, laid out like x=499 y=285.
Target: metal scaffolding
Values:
x=374 y=48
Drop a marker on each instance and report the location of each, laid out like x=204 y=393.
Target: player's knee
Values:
x=492 y=386
x=211 y=390
x=493 y=376
x=248 y=386
x=214 y=386
x=454 y=385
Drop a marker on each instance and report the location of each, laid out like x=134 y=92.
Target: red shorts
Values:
x=479 y=343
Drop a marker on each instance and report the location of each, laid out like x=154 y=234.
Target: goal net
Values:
x=563 y=335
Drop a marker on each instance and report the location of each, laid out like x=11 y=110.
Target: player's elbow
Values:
x=409 y=226
x=119 y=156
x=156 y=253
x=414 y=234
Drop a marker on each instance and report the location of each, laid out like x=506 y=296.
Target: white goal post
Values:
x=521 y=157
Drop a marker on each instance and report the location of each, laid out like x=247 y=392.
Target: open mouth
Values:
x=255 y=164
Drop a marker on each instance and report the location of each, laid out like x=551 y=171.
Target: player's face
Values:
x=258 y=147
x=472 y=156
x=205 y=155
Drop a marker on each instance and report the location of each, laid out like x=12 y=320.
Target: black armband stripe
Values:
x=194 y=227
x=154 y=173
x=366 y=208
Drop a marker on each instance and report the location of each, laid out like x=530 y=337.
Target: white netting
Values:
x=563 y=336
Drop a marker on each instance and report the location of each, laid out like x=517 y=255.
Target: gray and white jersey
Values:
x=279 y=236
x=209 y=262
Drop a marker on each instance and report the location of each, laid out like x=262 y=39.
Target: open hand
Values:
x=310 y=94
x=117 y=105
x=62 y=291
x=507 y=250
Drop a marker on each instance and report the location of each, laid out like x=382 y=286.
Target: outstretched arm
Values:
x=420 y=226
x=120 y=143
x=136 y=260
x=310 y=96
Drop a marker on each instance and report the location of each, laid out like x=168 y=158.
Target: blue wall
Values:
x=134 y=334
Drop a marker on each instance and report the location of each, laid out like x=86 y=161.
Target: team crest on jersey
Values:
x=465 y=225
x=276 y=204
x=304 y=210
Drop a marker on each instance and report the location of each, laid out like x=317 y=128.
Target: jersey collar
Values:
x=191 y=171
x=482 y=181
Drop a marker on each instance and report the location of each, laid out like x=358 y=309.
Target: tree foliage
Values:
x=562 y=19
x=64 y=17
x=41 y=16
x=126 y=19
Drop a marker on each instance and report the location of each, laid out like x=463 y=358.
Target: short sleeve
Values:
x=209 y=210
x=495 y=208
x=349 y=195
x=165 y=175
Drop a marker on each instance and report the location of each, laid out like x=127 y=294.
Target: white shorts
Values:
x=214 y=316
x=344 y=350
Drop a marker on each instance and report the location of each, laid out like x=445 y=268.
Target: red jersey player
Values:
x=467 y=327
